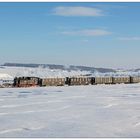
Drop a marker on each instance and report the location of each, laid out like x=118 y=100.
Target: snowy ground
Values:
x=12 y=72
x=39 y=72
x=76 y=111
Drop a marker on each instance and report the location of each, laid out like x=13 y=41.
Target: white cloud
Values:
x=77 y=11
x=88 y=32
x=129 y=38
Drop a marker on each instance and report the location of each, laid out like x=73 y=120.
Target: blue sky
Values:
x=90 y=34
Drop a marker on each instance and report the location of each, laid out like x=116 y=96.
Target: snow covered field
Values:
x=76 y=111
x=39 y=72
x=12 y=72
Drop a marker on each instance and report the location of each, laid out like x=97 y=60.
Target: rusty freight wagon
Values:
x=53 y=81
x=119 y=80
x=135 y=79
x=79 y=81
x=103 y=80
x=27 y=81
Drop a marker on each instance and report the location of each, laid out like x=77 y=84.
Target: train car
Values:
x=79 y=81
x=26 y=81
x=135 y=79
x=119 y=80
x=53 y=81
x=103 y=80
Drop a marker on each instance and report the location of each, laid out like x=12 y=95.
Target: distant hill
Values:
x=61 y=67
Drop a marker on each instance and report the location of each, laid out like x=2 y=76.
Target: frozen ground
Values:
x=76 y=111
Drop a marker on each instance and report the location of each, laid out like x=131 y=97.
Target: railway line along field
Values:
x=39 y=76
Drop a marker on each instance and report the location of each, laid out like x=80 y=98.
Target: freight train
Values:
x=72 y=81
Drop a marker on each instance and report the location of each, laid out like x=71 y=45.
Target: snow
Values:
x=52 y=73
x=40 y=72
x=4 y=76
x=71 y=111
